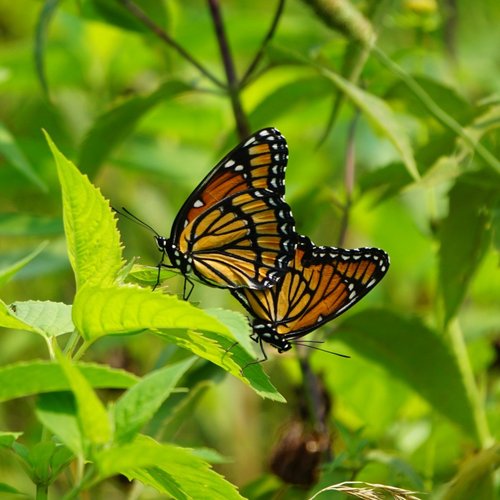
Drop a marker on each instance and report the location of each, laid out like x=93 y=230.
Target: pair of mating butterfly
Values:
x=236 y=231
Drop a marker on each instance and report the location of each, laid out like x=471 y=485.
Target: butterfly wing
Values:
x=320 y=284
x=236 y=226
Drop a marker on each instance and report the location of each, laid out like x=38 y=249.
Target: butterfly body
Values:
x=320 y=284
x=236 y=230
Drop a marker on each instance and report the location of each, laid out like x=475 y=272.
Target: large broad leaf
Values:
x=138 y=405
x=129 y=310
x=35 y=377
x=11 y=151
x=174 y=471
x=48 y=318
x=93 y=241
x=8 y=319
x=92 y=415
x=118 y=123
x=465 y=234
x=416 y=355
x=8 y=272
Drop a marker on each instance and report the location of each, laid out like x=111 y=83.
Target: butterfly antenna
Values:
x=306 y=343
x=130 y=216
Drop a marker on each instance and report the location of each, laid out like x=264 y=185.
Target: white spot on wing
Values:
x=198 y=204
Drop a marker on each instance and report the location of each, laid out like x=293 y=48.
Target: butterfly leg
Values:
x=257 y=361
x=191 y=284
x=227 y=350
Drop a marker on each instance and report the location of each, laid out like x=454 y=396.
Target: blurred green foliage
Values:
x=394 y=145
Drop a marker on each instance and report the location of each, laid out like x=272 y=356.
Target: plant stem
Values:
x=265 y=43
x=82 y=350
x=42 y=491
x=232 y=82
x=457 y=343
x=139 y=14
x=438 y=113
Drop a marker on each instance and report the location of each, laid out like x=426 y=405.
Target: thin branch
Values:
x=139 y=14
x=265 y=43
x=227 y=60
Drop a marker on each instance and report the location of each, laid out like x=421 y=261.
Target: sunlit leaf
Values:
x=93 y=240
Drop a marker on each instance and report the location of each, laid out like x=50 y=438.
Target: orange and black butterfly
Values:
x=235 y=229
x=320 y=284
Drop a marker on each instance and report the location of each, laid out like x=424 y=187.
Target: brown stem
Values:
x=139 y=14
x=265 y=43
x=232 y=82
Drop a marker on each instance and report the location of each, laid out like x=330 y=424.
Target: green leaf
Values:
x=46 y=15
x=48 y=318
x=9 y=320
x=13 y=154
x=416 y=355
x=18 y=224
x=5 y=488
x=116 y=14
x=381 y=117
x=92 y=415
x=35 y=377
x=130 y=310
x=57 y=412
x=465 y=235
x=138 y=405
x=172 y=470
x=7 y=273
x=93 y=240
x=116 y=124
x=8 y=438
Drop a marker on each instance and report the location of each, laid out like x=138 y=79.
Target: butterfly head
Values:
x=265 y=332
x=177 y=258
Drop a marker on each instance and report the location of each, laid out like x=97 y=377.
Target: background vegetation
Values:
x=391 y=111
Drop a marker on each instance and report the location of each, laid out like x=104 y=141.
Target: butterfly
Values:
x=235 y=229
x=320 y=284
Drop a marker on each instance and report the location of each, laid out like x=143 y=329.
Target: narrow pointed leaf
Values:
x=138 y=405
x=92 y=415
x=116 y=124
x=92 y=237
x=7 y=273
x=35 y=377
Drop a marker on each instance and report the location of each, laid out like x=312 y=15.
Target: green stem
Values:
x=71 y=344
x=460 y=351
x=438 y=113
x=82 y=350
x=42 y=491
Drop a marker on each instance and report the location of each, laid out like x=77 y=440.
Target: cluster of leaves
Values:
x=426 y=188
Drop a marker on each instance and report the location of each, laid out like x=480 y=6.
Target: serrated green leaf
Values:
x=416 y=355
x=48 y=318
x=7 y=273
x=380 y=115
x=8 y=438
x=227 y=354
x=138 y=405
x=238 y=325
x=10 y=150
x=465 y=235
x=130 y=309
x=57 y=412
x=116 y=124
x=93 y=240
x=185 y=475
x=35 y=377
x=9 y=320
x=92 y=415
